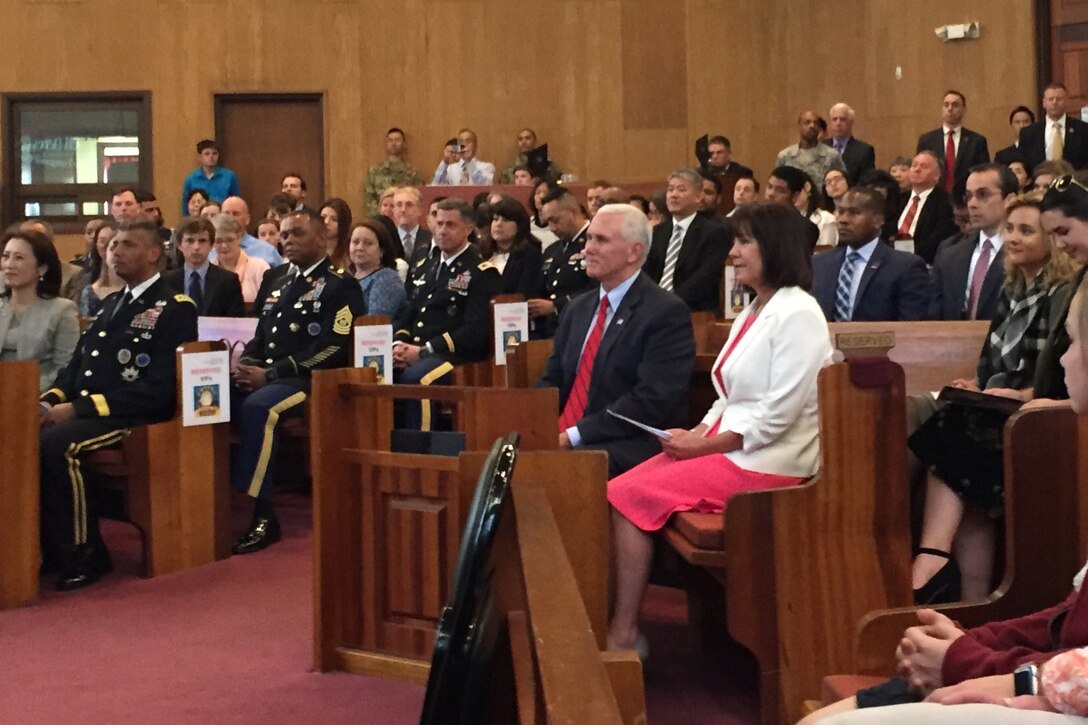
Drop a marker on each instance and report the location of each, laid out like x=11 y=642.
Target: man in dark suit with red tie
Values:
x=1056 y=136
x=967 y=275
x=925 y=214
x=959 y=149
x=857 y=156
x=626 y=346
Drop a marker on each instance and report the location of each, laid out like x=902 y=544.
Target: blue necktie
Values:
x=196 y=290
x=843 y=306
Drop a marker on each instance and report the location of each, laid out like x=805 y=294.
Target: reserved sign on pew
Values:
x=511 y=327
x=205 y=388
x=374 y=349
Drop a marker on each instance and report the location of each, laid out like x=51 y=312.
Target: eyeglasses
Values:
x=1064 y=183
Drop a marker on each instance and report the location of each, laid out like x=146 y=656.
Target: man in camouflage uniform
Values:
x=394 y=171
x=526 y=143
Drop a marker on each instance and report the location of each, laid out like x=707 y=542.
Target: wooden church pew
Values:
x=19 y=517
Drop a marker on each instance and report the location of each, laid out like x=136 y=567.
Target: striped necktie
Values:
x=671 y=256
x=843 y=306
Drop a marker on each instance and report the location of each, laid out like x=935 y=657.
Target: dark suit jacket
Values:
x=420 y=246
x=698 y=274
x=949 y=274
x=1009 y=154
x=858 y=158
x=1075 y=145
x=935 y=222
x=222 y=291
x=971 y=152
x=894 y=285
x=522 y=271
x=733 y=169
x=642 y=369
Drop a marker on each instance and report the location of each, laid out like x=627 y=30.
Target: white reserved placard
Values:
x=511 y=327
x=737 y=296
x=235 y=331
x=374 y=349
x=205 y=388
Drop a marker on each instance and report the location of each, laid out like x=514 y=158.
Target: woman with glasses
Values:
x=961 y=444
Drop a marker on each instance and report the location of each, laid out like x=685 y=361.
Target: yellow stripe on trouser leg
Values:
x=75 y=475
x=266 y=442
x=425 y=405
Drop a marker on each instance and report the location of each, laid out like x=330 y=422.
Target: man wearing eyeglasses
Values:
x=967 y=275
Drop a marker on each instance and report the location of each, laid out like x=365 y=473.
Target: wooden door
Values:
x=264 y=136
x=1067 y=37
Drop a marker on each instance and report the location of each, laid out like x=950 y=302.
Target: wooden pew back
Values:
x=1046 y=513
x=387 y=525
x=19 y=518
x=802 y=564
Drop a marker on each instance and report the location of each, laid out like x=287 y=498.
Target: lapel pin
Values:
x=619 y=321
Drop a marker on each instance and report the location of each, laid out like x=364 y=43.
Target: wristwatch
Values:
x=425 y=351
x=1025 y=680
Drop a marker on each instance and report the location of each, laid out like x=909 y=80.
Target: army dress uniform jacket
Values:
x=451 y=307
x=563 y=277
x=305 y=322
x=124 y=365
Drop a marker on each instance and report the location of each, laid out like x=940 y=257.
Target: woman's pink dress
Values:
x=650 y=493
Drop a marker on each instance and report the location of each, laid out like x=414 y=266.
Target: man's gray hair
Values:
x=634 y=225
x=226 y=224
x=690 y=175
x=844 y=106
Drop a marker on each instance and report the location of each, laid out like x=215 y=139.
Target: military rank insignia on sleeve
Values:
x=341 y=325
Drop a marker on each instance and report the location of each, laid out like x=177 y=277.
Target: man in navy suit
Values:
x=857 y=155
x=956 y=266
x=863 y=278
x=688 y=252
x=215 y=291
x=632 y=354
x=1056 y=136
x=970 y=147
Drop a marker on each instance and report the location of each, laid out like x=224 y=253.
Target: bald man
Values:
x=808 y=154
x=237 y=207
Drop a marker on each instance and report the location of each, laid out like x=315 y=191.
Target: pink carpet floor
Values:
x=230 y=643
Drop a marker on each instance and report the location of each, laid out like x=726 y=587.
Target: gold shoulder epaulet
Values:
x=184 y=298
x=484 y=266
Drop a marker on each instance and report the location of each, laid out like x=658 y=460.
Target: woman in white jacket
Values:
x=761 y=433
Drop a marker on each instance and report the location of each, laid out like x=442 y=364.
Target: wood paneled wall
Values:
x=619 y=88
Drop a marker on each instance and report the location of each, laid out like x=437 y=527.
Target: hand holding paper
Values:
x=662 y=434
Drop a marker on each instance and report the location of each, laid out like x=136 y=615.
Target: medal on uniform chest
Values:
x=130 y=374
x=124 y=355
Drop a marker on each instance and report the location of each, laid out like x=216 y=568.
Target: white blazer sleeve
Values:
x=799 y=348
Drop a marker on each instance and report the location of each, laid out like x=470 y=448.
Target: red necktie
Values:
x=904 y=228
x=977 y=280
x=579 y=393
x=949 y=163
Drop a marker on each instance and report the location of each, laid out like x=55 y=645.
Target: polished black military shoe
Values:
x=87 y=564
x=263 y=532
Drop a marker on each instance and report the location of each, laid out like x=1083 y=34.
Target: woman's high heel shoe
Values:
x=944 y=586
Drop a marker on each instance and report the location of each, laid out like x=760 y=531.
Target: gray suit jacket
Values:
x=50 y=332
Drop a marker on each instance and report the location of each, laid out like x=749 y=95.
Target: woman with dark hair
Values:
x=336 y=214
x=541 y=188
x=35 y=324
x=659 y=211
x=196 y=201
x=374 y=263
x=398 y=246
x=512 y=249
x=103 y=281
x=809 y=203
x=762 y=431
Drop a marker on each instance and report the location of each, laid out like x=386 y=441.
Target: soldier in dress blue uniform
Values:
x=447 y=321
x=123 y=374
x=563 y=275
x=307 y=308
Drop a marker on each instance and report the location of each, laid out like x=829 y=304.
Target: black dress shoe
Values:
x=263 y=532
x=944 y=587
x=87 y=564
